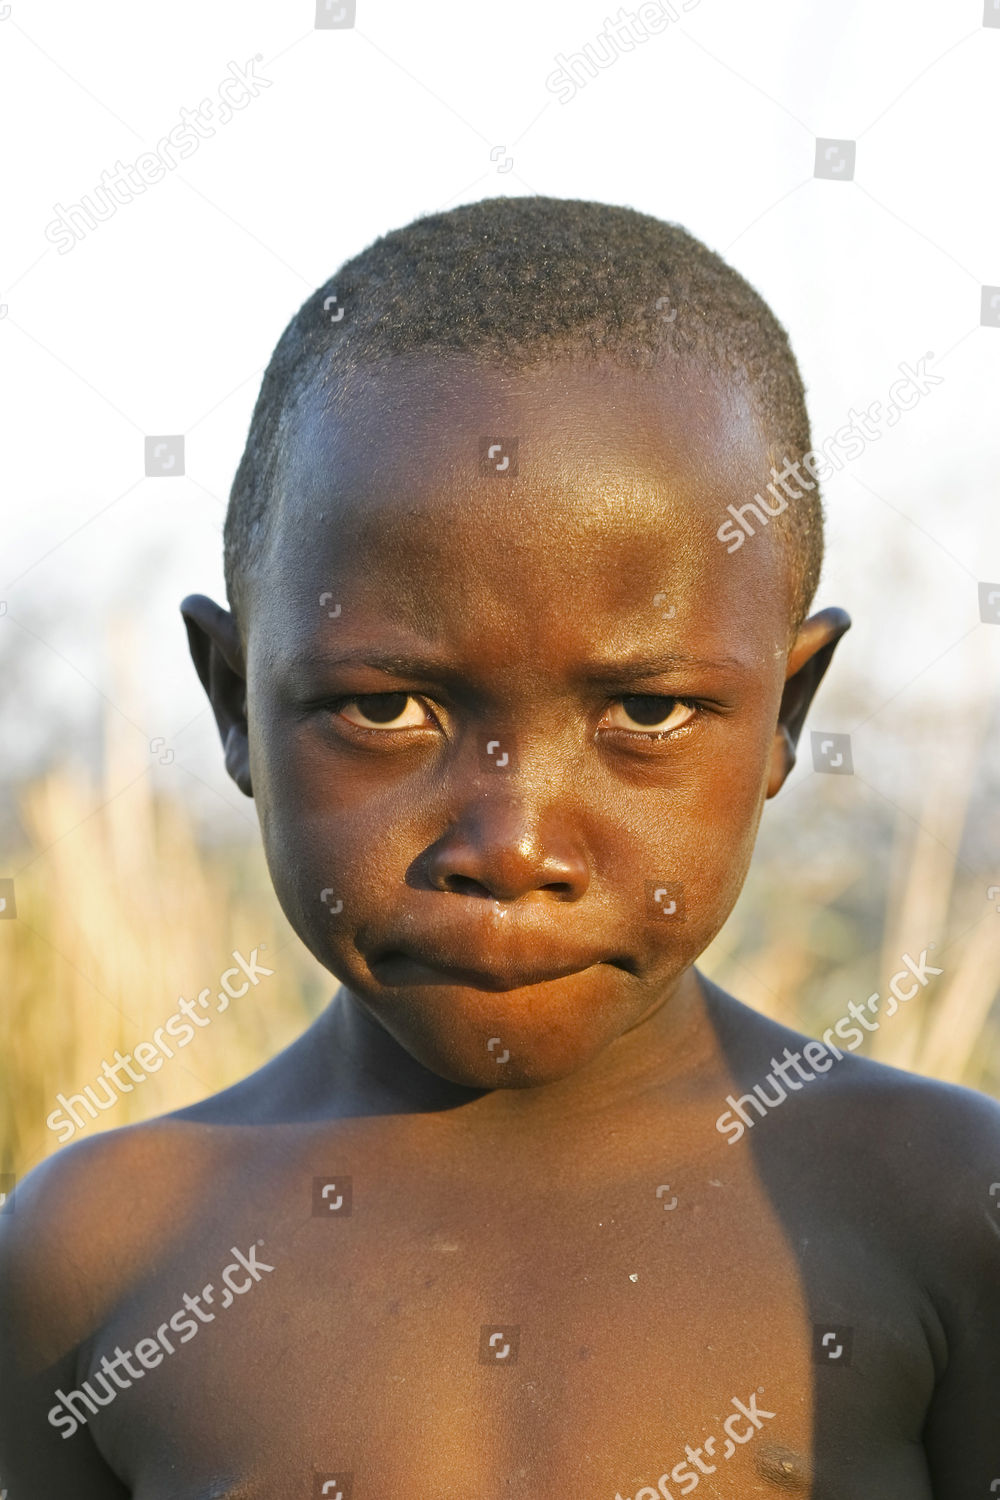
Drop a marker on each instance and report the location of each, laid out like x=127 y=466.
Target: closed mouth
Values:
x=397 y=965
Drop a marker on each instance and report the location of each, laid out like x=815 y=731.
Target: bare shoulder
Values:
x=82 y=1225
x=915 y=1149
x=91 y=1221
x=940 y=1137
x=941 y=1142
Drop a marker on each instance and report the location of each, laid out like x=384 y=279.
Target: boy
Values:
x=510 y=704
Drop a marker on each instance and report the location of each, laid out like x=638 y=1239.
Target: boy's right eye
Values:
x=380 y=711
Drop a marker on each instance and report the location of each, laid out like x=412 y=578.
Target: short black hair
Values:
x=523 y=281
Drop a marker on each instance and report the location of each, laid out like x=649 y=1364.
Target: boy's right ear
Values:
x=217 y=653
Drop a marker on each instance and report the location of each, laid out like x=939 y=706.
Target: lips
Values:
x=513 y=967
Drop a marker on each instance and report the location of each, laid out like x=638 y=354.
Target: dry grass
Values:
x=119 y=913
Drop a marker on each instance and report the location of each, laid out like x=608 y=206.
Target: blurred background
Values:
x=842 y=158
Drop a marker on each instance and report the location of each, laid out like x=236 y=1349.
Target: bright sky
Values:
x=160 y=320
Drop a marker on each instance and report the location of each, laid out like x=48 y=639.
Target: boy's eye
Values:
x=652 y=712
x=382 y=710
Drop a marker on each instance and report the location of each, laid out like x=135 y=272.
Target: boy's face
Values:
x=485 y=845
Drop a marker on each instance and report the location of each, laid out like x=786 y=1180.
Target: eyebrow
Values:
x=403 y=664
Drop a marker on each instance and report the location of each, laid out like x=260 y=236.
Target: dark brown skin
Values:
x=577 y=1188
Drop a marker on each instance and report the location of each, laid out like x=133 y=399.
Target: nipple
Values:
x=783 y=1467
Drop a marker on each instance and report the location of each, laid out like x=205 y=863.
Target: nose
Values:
x=502 y=849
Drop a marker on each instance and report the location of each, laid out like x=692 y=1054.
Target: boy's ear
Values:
x=807 y=662
x=218 y=657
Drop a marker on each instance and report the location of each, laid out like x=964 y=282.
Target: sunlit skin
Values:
x=521 y=1070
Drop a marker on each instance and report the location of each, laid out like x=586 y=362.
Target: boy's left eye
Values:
x=652 y=713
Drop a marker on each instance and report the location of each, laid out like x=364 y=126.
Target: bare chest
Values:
x=390 y=1333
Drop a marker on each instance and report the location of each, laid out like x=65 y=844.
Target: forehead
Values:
x=615 y=485
x=422 y=417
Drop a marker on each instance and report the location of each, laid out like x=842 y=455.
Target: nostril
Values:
x=465 y=885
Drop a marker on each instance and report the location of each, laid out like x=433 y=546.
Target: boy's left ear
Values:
x=807 y=662
x=217 y=653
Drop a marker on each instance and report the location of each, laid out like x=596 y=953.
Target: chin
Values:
x=515 y=1061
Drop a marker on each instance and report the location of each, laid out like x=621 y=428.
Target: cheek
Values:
x=691 y=841
x=327 y=852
